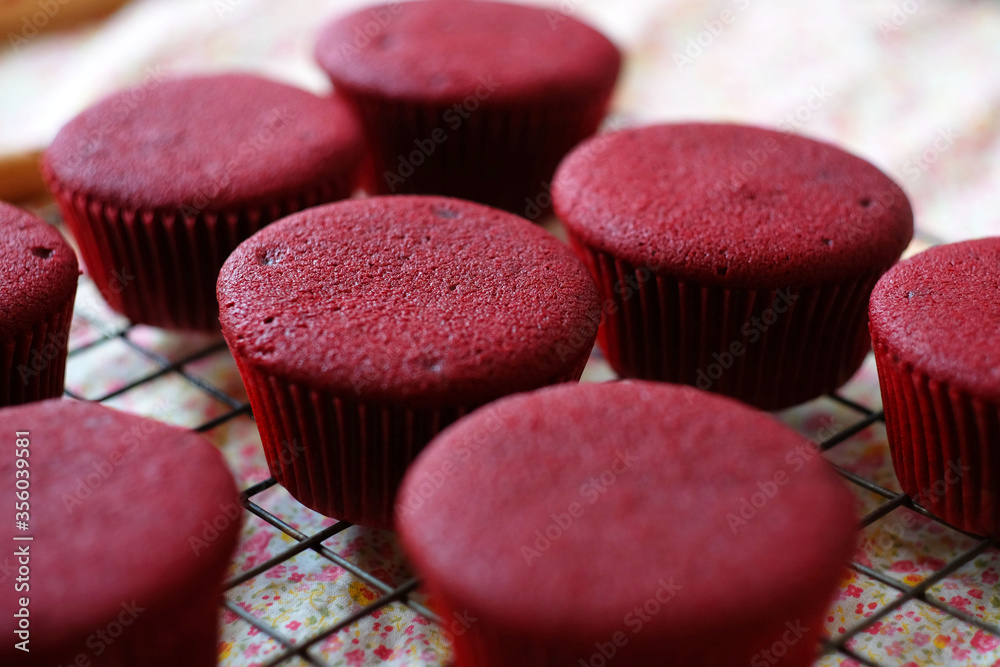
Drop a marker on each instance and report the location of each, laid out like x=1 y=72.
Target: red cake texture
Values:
x=38 y=276
x=478 y=100
x=935 y=327
x=732 y=258
x=364 y=327
x=160 y=183
x=627 y=523
x=132 y=523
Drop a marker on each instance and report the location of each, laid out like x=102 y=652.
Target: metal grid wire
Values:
x=864 y=418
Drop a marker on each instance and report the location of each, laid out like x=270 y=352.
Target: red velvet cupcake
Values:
x=935 y=326
x=630 y=523
x=477 y=100
x=160 y=183
x=128 y=527
x=363 y=328
x=38 y=276
x=732 y=258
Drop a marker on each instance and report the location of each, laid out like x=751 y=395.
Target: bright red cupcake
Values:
x=363 y=328
x=935 y=327
x=732 y=258
x=38 y=277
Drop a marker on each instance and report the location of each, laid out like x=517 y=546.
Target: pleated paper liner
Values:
x=160 y=267
x=149 y=629
x=500 y=156
x=484 y=644
x=151 y=637
x=771 y=348
x=944 y=445
x=344 y=457
x=34 y=362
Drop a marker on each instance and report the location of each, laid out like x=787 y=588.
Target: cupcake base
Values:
x=500 y=156
x=33 y=363
x=343 y=457
x=160 y=267
x=770 y=348
x=483 y=644
x=943 y=443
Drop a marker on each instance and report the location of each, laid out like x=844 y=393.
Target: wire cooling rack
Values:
x=841 y=646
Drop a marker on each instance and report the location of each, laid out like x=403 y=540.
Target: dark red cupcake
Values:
x=935 y=326
x=160 y=183
x=732 y=258
x=125 y=527
x=478 y=100
x=363 y=328
x=38 y=276
x=627 y=523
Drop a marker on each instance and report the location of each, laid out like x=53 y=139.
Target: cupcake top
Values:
x=38 y=270
x=427 y=300
x=733 y=205
x=940 y=312
x=565 y=509
x=118 y=506
x=446 y=50
x=204 y=142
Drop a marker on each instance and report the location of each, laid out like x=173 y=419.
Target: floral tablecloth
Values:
x=909 y=84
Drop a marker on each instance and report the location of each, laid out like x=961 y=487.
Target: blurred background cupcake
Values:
x=477 y=100
x=160 y=183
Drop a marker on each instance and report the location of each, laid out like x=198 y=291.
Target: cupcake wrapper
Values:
x=943 y=443
x=160 y=267
x=150 y=635
x=793 y=344
x=33 y=364
x=504 y=157
x=481 y=644
x=342 y=457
